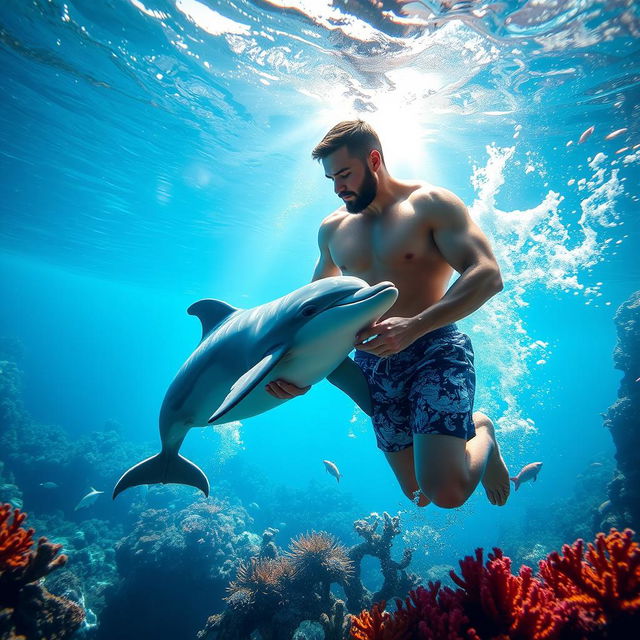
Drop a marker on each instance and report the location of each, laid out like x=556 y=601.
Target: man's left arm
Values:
x=464 y=246
x=467 y=250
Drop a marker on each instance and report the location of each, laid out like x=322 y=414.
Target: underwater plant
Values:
x=577 y=595
x=27 y=609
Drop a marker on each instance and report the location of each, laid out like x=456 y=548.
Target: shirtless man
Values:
x=418 y=365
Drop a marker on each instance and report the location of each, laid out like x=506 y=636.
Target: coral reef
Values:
x=577 y=595
x=173 y=566
x=623 y=421
x=90 y=546
x=35 y=454
x=273 y=595
x=275 y=592
x=27 y=609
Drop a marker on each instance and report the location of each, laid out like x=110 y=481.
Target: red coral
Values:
x=436 y=614
x=575 y=597
x=500 y=603
x=15 y=541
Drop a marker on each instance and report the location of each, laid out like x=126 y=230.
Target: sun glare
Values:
x=398 y=115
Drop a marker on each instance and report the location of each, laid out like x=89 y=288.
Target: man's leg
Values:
x=448 y=468
x=402 y=464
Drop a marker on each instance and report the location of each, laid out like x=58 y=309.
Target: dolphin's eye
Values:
x=309 y=310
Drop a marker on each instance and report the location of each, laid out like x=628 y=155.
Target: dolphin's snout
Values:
x=365 y=293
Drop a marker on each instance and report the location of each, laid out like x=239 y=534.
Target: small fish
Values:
x=332 y=469
x=48 y=485
x=637 y=379
x=596 y=464
x=615 y=134
x=528 y=472
x=586 y=134
x=604 y=507
x=89 y=499
x=622 y=150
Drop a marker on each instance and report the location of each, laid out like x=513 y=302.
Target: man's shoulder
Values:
x=427 y=194
x=333 y=220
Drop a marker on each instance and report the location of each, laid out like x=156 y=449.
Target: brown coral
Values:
x=319 y=556
x=261 y=581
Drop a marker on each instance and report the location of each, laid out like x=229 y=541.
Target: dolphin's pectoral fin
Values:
x=349 y=378
x=248 y=382
x=210 y=312
x=163 y=468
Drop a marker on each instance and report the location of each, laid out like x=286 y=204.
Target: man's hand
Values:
x=285 y=390
x=393 y=335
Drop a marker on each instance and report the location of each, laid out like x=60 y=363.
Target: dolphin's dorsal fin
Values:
x=210 y=312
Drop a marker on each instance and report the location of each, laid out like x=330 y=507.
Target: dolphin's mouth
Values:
x=364 y=294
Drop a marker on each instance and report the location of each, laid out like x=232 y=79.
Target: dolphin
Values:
x=302 y=337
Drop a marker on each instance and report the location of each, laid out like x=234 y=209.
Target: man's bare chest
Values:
x=399 y=241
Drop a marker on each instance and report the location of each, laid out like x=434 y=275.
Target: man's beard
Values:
x=368 y=190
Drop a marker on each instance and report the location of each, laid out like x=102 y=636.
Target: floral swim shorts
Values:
x=426 y=388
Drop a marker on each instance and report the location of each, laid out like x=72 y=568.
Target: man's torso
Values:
x=397 y=245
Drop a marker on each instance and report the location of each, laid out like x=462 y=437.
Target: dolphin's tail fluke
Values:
x=163 y=468
x=516 y=481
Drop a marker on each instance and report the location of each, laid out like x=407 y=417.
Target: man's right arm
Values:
x=325 y=267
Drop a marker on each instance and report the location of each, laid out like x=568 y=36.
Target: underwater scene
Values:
x=320 y=319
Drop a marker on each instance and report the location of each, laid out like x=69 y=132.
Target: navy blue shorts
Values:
x=426 y=388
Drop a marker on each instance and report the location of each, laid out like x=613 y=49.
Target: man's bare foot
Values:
x=496 y=475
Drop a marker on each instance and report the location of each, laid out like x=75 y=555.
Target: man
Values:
x=418 y=365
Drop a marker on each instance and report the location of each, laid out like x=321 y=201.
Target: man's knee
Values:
x=481 y=419
x=447 y=496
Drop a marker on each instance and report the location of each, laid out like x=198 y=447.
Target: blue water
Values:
x=157 y=153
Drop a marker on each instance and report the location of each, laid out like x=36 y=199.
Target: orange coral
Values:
x=606 y=583
x=15 y=541
x=378 y=624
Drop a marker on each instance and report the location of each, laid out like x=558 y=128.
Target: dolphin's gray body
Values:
x=302 y=337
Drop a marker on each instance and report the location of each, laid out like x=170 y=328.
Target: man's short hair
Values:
x=357 y=135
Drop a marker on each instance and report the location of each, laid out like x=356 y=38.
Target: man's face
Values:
x=353 y=181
